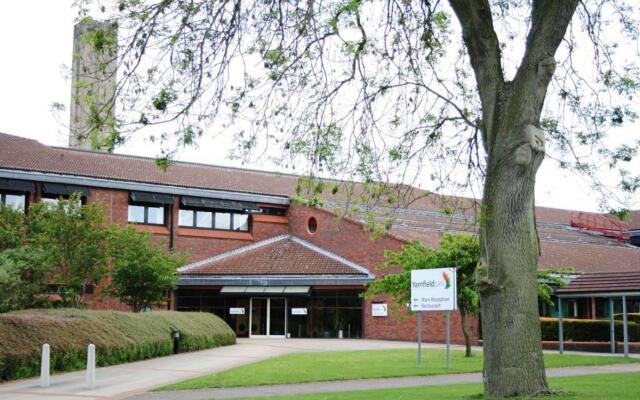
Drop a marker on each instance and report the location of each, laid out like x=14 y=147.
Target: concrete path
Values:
x=128 y=380
x=365 y=384
x=125 y=380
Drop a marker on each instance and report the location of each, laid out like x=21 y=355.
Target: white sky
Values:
x=36 y=41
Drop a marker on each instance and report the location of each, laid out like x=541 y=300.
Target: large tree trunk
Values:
x=465 y=333
x=506 y=275
x=513 y=360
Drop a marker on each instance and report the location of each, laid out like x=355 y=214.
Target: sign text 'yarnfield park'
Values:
x=433 y=289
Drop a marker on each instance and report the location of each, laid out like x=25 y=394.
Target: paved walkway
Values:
x=128 y=380
x=125 y=380
x=365 y=384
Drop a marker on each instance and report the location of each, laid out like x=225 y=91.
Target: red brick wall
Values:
x=116 y=203
x=348 y=239
x=343 y=237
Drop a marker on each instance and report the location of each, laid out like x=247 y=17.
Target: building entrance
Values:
x=268 y=317
x=323 y=313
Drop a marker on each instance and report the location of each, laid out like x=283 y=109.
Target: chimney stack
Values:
x=95 y=49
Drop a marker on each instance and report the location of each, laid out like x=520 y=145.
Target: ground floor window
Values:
x=321 y=314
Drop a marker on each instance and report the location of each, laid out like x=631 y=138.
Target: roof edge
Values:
x=185 y=269
x=142 y=186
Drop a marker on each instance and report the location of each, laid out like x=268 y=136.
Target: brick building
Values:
x=273 y=268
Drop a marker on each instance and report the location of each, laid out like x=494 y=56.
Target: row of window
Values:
x=19 y=201
x=208 y=219
x=154 y=214
x=152 y=210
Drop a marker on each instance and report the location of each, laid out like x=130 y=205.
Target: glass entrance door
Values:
x=268 y=317
x=259 y=317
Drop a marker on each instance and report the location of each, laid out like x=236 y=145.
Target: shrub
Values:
x=631 y=317
x=118 y=336
x=586 y=330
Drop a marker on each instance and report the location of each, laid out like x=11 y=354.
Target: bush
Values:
x=118 y=336
x=586 y=330
x=631 y=317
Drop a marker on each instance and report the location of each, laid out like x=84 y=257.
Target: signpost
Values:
x=433 y=290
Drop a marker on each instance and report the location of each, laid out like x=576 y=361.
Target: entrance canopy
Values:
x=265 y=290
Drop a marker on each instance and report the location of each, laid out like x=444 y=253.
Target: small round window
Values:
x=312 y=225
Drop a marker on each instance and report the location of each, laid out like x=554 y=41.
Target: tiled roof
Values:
x=562 y=245
x=29 y=155
x=280 y=255
x=603 y=282
x=580 y=253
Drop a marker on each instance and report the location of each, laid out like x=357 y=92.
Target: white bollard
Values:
x=91 y=366
x=44 y=366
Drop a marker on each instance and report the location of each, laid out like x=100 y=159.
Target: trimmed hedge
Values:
x=119 y=337
x=631 y=317
x=586 y=330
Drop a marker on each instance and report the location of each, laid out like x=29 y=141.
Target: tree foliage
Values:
x=142 y=272
x=460 y=251
x=73 y=237
x=57 y=249
x=23 y=277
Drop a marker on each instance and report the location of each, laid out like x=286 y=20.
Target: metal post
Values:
x=560 y=332
x=612 y=326
x=91 y=366
x=419 y=339
x=625 y=326
x=44 y=366
x=448 y=339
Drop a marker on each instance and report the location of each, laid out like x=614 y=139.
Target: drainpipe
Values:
x=171 y=229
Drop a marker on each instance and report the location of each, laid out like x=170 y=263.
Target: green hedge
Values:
x=586 y=330
x=631 y=317
x=118 y=336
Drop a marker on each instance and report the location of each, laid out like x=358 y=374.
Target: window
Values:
x=152 y=214
x=52 y=201
x=273 y=211
x=186 y=217
x=204 y=219
x=223 y=220
x=312 y=225
x=210 y=219
x=16 y=201
x=241 y=222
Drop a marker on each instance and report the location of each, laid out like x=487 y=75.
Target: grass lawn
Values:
x=588 y=387
x=331 y=366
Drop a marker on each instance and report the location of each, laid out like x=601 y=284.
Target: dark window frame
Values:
x=4 y=193
x=83 y=199
x=194 y=224
x=146 y=213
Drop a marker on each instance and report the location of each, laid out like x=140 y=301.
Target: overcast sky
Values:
x=36 y=42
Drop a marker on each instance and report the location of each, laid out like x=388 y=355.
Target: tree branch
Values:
x=549 y=22
x=484 y=51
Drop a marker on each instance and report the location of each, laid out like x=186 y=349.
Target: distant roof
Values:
x=280 y=255
x=605 y=282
